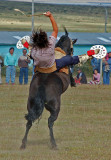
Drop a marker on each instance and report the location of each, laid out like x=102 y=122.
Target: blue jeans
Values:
x=23 y=73
x=106 y=77
x=66 y=61
x=10 y=71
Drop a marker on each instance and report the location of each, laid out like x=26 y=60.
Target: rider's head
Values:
x=39 y=39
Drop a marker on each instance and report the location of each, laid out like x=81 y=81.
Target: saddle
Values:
x=59 y=53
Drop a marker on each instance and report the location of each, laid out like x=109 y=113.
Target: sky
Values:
x=66 y=1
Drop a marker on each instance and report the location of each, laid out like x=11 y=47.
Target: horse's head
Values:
x=66 y=44
x=73 y=41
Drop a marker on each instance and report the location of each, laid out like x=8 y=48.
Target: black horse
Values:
x=45 y=91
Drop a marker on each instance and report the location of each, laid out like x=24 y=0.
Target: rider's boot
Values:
x=83 y=58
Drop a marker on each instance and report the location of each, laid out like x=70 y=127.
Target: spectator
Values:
x=106 y=73
x=23 y=64
x=96 y=78
x=10 y=62
x=1 y=65
x=95 y=64
x=81 y=77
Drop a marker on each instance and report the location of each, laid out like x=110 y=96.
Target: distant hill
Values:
x=75 y=18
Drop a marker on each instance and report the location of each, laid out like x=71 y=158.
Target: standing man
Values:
x=10 y=62
x=23 y=62
x=1 y=65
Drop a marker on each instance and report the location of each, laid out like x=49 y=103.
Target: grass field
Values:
x=82 y=130
x=75 y=18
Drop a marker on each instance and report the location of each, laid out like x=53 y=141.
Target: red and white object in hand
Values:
x=90 y=52
x=23 y=42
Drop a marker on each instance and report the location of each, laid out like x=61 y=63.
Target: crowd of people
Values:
x=81 y=77
x=11 y=61
x=106 y=65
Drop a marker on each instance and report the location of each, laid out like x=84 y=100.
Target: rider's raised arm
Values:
x=54 y=24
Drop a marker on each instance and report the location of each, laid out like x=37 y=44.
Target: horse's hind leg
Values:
x=53 y=116
x=51 y=120
x=24 y=141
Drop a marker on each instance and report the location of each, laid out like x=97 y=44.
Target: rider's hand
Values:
x=48 y=14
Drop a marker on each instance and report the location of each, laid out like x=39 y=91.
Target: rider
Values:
x=43 y=50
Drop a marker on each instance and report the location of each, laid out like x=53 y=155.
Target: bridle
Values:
x=71 y=46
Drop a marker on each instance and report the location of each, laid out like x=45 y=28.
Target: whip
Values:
x=28 y=15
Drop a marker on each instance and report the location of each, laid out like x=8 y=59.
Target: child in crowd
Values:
x=96 y=78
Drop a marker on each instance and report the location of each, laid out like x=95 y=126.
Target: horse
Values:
x=45 y=92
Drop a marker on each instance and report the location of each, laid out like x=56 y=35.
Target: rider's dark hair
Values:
x=39 y=39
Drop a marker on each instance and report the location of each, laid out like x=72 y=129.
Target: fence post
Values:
x=101 y=62
x=106 y=16
x=32 y=16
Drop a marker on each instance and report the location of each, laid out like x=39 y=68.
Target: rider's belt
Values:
x=51 y=69
x=46 y=70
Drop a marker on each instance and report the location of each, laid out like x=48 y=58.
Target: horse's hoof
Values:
x=54 y=147
x=23 y=146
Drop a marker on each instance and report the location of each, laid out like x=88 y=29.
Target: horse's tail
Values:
x=37 y=105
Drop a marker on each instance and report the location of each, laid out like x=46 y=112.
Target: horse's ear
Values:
x=66 y=33
x=74 y=41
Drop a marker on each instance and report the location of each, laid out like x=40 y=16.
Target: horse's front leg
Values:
x=24 y=141
x=72 y=80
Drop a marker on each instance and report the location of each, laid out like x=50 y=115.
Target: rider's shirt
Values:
x=45 y=58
